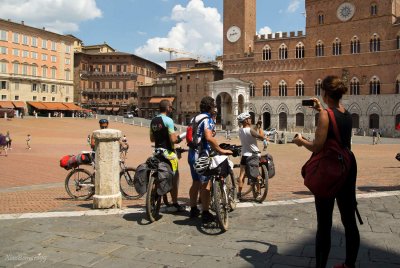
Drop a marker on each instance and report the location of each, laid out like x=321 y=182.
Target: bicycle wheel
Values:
x=220 y=203
x=126 y=184
x=153 y=200
x=262 y=195
x=79 y=184
x=231 y=190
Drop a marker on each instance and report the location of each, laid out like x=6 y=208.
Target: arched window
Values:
x=374 y=121
x=375 y=43
x=266 y=89
x=337 y=47
x=355 y=118
x=252 y=89
x=283 y=52
x=354 y=86
x=355 y=47
x=300 y=88
x=282 y=88
x=398 y=86
x=318 y=86
x=374 y=9
x=299 y=120
x=319 y=49
x=320 y=18
x=267 y=53
x=300 y=51
x=375 y=86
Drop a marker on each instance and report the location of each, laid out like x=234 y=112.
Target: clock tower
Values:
x=239 y=26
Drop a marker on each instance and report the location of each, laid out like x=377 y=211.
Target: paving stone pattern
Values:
x=270 y=236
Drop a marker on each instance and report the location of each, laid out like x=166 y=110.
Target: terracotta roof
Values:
x=6 y=104
x=158 y=100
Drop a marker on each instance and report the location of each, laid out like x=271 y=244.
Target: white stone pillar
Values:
x=49 y=115
x=107 y=192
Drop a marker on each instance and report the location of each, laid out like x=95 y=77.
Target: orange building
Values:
x=35 y=66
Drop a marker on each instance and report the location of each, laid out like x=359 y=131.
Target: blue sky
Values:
x=141 y=26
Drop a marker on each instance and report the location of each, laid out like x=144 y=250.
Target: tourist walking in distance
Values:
x=28 y=142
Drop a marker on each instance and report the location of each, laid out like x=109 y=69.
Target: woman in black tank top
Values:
x=332 y=91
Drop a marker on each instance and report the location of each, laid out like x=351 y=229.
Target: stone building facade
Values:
x=35 y=65
x=107 y=81
x=356 y=40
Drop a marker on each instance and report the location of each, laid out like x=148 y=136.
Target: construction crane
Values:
x=173 y=50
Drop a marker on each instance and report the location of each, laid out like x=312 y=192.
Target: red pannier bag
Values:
x=65 y=160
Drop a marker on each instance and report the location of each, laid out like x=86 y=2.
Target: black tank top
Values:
x=344 y=123
x=160 y=134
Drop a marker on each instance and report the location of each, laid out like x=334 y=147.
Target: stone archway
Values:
x=234 y=94
x=224 y=106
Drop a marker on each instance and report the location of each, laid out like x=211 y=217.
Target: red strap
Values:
x=332 y=119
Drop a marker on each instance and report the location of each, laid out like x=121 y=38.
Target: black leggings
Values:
x=346 y=202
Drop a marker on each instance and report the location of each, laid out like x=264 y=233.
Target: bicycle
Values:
x=153 y=199
x=80 y=182
x=259 y=188
x=223 y=188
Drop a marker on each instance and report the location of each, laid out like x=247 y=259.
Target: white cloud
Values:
x=293 y=6
x=61 y=16
x=265 y=30
x=198 y=30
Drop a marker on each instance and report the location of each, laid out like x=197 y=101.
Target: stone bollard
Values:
x=49 y=115
x=107 y=191
x=73 y=115
x=5 y=115
x=123 y=120
x=141 y=124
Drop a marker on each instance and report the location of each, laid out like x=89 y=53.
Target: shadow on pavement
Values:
x=302 y=193
x=302 y=253
x=207 y=229
x=378 y=188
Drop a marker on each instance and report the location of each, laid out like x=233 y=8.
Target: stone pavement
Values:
x=275 y=234
x=32 y=181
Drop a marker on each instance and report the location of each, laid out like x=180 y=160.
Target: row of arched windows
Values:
x=354 y=87
x=355 y=48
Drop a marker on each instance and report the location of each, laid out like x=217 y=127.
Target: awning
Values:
x=55 y=106
x=6 y=104
x=158 y=100
x=37 y=105
x=72 y=107
x=101 y=108
x=116 y=109
x=109 y=108
x=19 y=104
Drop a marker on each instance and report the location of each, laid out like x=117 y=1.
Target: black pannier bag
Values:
x=252 y=167
x=222 y=169
x=270 y=166
x=165 y=177
x=140 y=180
x=398 y=156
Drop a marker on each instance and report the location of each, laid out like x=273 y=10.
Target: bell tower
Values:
x=239 y=27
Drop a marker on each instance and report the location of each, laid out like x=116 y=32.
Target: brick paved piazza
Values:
x=32 y=181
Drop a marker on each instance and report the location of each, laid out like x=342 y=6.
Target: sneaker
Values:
x=179 y=208
x=194 y=212
x=207 y=217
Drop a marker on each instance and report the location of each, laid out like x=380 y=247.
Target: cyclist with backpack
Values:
x=162 y=133
x=201 y=141
x=248 y=139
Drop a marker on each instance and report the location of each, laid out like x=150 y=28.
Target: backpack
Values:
x=326 y=171
x=192 y=139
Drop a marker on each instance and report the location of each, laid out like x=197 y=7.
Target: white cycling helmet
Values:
x=243 y=116
x=201 y=164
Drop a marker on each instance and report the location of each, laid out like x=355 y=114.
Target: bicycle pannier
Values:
x=270 y=166
x=64 y=161
x=252 y=164
x=165 y=177
x=140 y=180
x=219 y=165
